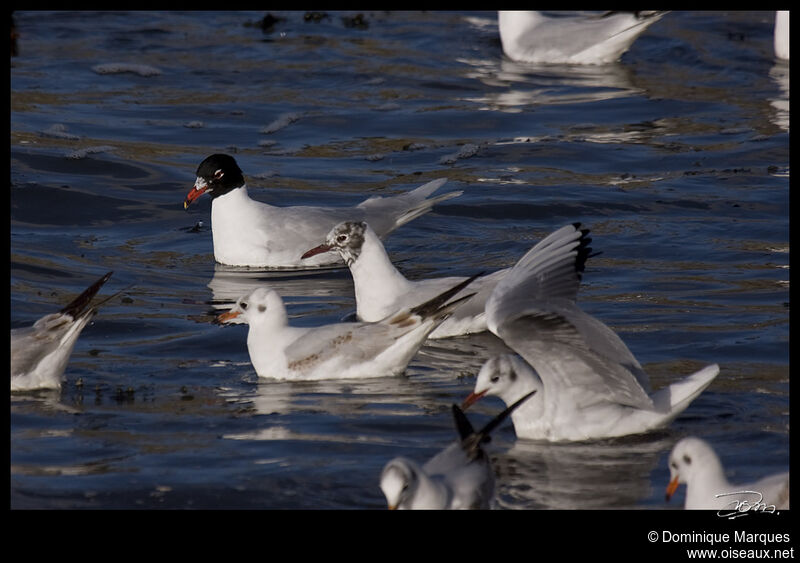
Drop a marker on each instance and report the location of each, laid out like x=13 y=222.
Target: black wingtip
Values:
x=432 y=306
x=80 y=303
x=584 y=250
x=497 y=420
x=463 y=425
x=470 y=440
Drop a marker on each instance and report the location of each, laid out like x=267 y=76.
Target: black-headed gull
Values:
x=40 y=353
x=571 y=37
x=247 y=232
x=694 y=462
x=381 y=289
x=458 y=477
x=590 y=384
x=339 y=350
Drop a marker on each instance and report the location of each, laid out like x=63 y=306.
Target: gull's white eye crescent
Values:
x=219 y=174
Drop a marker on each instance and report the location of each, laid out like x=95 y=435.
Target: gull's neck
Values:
x=527 y=381
x=377 y=282
x=706 y=482
x=233 y=195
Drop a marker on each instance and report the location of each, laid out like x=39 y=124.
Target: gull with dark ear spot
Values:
x=589 y=384
x=380 y=288
x=340 y=350
x=458 y=477
x=694 y=462
x=247 y=232
x=40 y=353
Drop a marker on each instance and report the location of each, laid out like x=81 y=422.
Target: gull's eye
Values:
x=494 y=378
x=341 y=238
x=687 y=459
x=673 y=465
x=262 y=308
x=218 y=174
x=243 y=305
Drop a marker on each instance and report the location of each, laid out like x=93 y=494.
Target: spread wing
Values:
x=576 y=356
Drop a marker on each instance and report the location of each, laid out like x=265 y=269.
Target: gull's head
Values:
x=346 y=238
x=399 y=482
x=259 y=306
x=688 y=458
x=506 y=376
x=217 y=175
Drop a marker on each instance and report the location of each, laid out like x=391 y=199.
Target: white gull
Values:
x=694 y=462
x=40 y=353
x=381 y=289
x=589 y=384
x=458 y=477
x=781 y=34
x=339 y=350
x=571 y=37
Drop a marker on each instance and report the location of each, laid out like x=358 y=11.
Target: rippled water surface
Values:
x=677 y=159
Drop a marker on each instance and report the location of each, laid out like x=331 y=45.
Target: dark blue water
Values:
x=677 y=159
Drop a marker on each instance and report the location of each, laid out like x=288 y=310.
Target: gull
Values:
x=40 y=353
x=380 y=288
x=589 y=384
x=339 y=350
x=247 y=232
x=694 y=462
x=572 y=37
x=781 y=34
x=458 y=477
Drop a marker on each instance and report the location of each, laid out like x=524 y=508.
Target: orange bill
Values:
x=225 y=317
x=673 y=485
x=193 y=194
x=472 y=399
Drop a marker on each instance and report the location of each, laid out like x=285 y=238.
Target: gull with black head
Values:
x=247 y=232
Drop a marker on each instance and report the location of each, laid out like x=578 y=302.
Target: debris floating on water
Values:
x=118 y=68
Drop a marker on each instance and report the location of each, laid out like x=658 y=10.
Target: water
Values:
x=677 y=159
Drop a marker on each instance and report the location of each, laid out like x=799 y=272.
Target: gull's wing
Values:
x=554 y=341
x=356 y=342
x=30 y=345
x=534 y=308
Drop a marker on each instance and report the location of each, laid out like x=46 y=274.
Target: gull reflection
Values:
x=603 y=474
x=515 y=86
x=229 y=283
x=434 y=380
x=779 y=73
